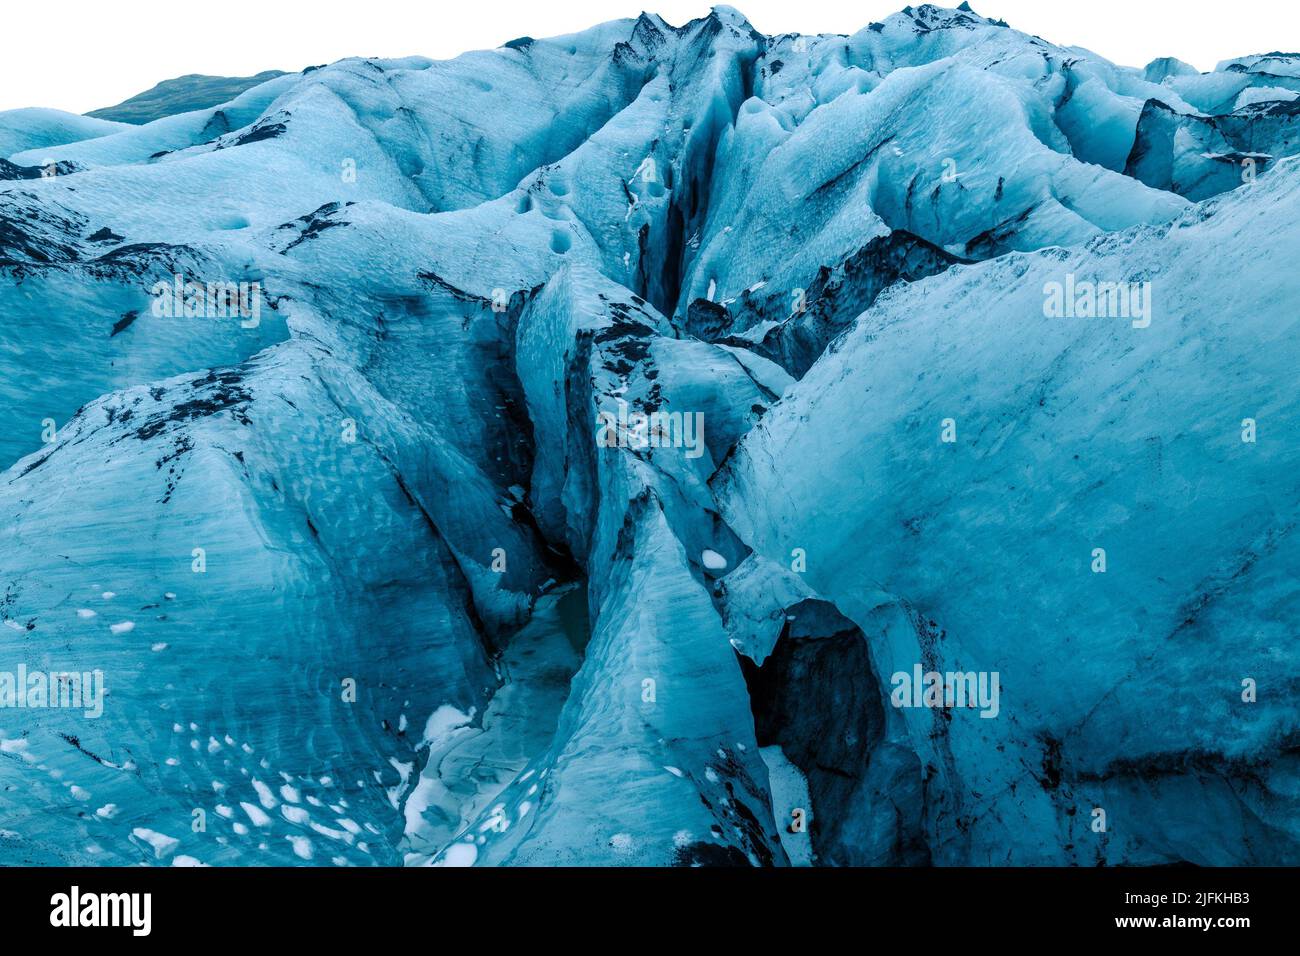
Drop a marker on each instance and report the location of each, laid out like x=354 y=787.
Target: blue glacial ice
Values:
x=583 y=437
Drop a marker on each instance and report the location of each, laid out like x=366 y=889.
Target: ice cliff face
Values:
x=568 y=453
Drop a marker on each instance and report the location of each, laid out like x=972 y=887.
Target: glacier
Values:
x=567 y=453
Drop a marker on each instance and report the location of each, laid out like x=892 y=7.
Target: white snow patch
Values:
x=622 y=843
x=257 y=815
x=442 y=722
x=301 y=846
x=264 y=795
x=331 y=833
x=162 y=844
x=789 y=791
x=459 y=854
x=296 y=815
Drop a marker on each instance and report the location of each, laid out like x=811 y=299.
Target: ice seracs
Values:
x=623 y=410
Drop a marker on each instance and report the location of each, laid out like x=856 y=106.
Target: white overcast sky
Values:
x=78 y=55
